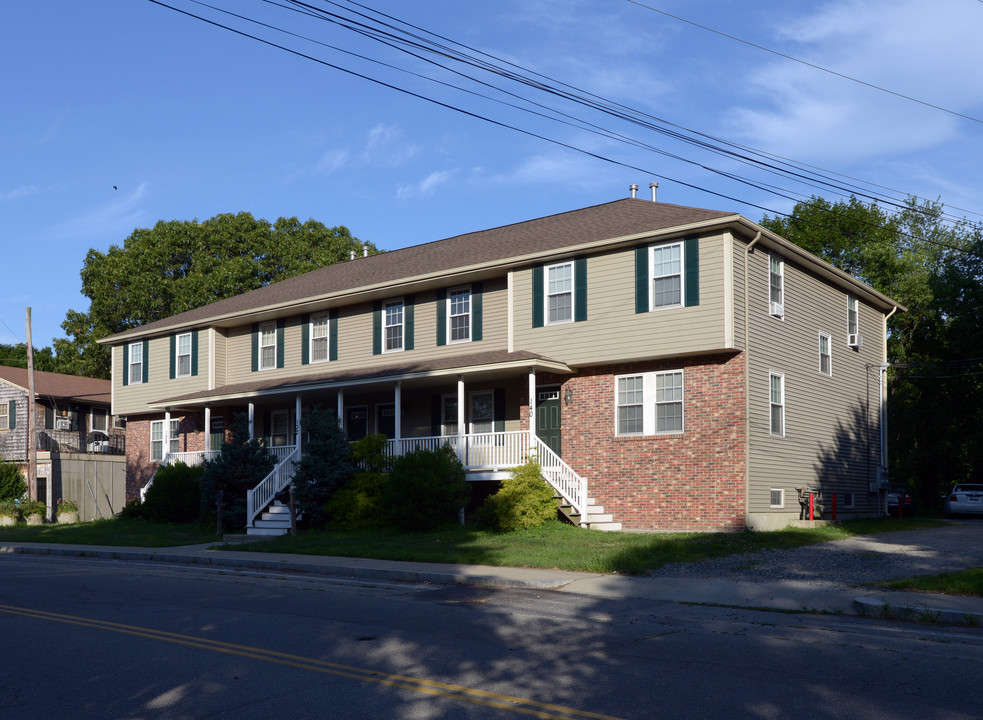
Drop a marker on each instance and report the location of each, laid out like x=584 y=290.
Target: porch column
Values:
x=167 y=434
x=460 y=420
x=252 y=421
x=398 y=404
x=297 y=420
x=208 y=430
x=532 y=408
x=341 y=408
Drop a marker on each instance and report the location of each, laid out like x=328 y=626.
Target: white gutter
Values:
x=747 y=382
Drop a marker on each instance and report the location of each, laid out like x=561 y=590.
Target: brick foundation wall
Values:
x=139 y=468
x=673 y=482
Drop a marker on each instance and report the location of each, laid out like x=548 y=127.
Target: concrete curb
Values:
x=353 y=571
x=917 y=611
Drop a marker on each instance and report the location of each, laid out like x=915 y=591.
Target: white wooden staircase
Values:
x=594 y=517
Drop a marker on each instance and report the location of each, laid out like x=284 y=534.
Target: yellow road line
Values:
x=534 y=708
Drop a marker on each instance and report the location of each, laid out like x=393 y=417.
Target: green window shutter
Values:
x=435 y=413
x=194 y=352
x=499 y=410
x=279 y=343
x=173 y=353
x=332 y=335
x=49 y=418
x=537 y=296
x=476 y=290
x=12 y=415
x=442 y=317
x=146 y=360
x=305 y=339
x=126 y=365
x=642 y=279
x=580 y=289
x=691 y=258
x=255 y=333
x=408 y=304
x=377 y=328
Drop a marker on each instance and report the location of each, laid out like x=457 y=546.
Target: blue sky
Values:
x=187 y=120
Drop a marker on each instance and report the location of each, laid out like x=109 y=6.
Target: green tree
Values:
x=16 y=356
x=180 y=265
x=241 y=466
x=324 y=465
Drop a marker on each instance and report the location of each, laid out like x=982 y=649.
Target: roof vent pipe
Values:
x=655 y=187
x=365 y=251
x=633 y=188
x=351 y=254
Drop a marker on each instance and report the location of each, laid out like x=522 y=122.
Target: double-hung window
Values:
x=157 y=439
x=776 y=382
x=776 y=286
x=183 y=355
x=459 y=315
x=852 y=320
x=5 y=415
x=825 y=358
x=559 y=293
x=99 y=419
x=666 y=271
x=393 y=325
x=135 y=371
x=448 y=415
x=320 y=325
x=649 y=403
x=630 y=405
x=267 y=345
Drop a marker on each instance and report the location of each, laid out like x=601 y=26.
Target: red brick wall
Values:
x=139 y=468
x=689 y=481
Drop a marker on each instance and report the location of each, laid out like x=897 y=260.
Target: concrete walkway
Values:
x=785 y=595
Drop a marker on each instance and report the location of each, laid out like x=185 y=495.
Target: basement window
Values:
x=777 y=498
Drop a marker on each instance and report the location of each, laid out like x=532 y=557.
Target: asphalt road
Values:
x=105 y=639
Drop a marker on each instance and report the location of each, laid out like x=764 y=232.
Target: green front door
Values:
x=548 y=417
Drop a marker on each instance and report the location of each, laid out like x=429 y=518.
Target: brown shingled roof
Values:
x=62 y=387
x=570 y=229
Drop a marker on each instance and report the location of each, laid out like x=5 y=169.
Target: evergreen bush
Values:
x=426 y=489
x=359 y=503
x=175 y=495
x=12 y=483
x=323 y=467
x=242 y=465
x=525 y=500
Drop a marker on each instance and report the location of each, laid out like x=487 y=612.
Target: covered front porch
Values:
x=486 y=411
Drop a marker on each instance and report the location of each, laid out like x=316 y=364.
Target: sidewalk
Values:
x=784 y=595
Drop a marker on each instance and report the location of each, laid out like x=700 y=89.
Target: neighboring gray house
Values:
x=681 y=368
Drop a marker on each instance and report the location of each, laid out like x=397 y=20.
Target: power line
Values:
x=807 y=63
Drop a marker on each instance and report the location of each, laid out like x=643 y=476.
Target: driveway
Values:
x=855 y=561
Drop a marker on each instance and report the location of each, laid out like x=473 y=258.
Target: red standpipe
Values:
x=834 y=507
x=812 y=497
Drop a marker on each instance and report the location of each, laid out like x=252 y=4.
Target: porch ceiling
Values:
x=486 y=365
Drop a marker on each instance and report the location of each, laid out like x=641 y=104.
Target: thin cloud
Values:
x=331 y=161
x=384 y=143
x=18 y=193
x=108 y=220
x=426 y=187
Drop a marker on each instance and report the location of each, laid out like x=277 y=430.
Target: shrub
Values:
x=525 y=500
x=66 y=506
x=426 y=489
x=369 y=453
x=242 y=466
x=358 y=504
x=133 y=510
x=175 y=495
x=12 y=483
x=8 y=508
x=324 y=465
x=33 y=507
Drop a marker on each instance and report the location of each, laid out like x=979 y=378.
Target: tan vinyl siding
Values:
x=134 y=399
x=613 y=332
x=830 y=432
x=355 y=337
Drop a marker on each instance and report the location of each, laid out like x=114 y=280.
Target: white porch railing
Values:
x=571 y=486
x=492 y=450
x=188 y=458
x=262 y=495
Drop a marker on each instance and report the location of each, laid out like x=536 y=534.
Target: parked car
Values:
x=964 y=499
x=896 y=494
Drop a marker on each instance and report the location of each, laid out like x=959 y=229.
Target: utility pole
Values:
x=32 y=446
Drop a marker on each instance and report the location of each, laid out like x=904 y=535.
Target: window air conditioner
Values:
x=855 y=340
x=777 y=309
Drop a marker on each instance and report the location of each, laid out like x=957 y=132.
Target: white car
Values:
x=964 y=499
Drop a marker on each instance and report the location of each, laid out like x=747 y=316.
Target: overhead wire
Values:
x=414 y=44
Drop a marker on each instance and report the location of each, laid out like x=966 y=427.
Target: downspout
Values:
x=747 y=384
x=882 y=378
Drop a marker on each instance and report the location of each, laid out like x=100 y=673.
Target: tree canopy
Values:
x=179 y=265
x=16 y=356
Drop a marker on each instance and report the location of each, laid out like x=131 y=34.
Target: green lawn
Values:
x=964 y=582
x=555 y=545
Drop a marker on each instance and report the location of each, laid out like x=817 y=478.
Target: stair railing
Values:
x=262 y=495
x=562 y=478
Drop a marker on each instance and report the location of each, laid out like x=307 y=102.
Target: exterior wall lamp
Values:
x=568 y=396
